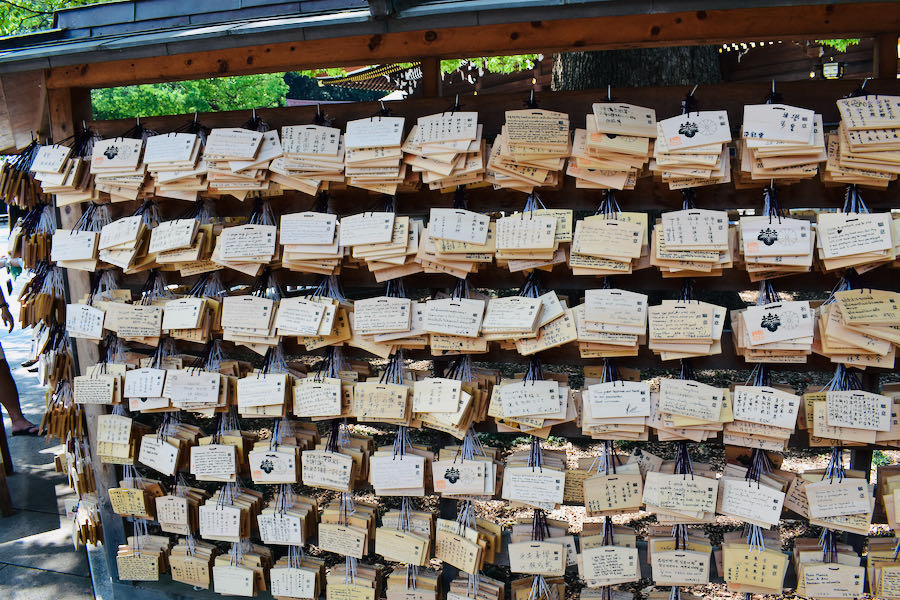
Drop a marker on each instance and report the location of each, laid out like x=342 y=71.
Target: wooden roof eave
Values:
x=857 y=19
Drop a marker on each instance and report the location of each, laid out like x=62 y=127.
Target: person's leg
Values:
x=9 y=398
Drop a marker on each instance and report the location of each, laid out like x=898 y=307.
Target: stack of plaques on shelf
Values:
x=865 y=149
x=312 y=158
x=225 y=146
x=690 y=149
x=780 y=142
x=693 y=243
x=174 y=162
x=613 y=148
x=530 y=151
x=446 y=149
x=373 y=160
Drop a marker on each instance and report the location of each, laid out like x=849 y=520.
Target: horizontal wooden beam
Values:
x=548 y=36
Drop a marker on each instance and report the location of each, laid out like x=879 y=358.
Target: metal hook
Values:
x=609 y=92
x=773 y=86
x=138 y=119
x=865 y=81
x=196 y=114
x=382 y=104
x=694 y=90
x=531 y=98
x=318 y=109
x=254 y=114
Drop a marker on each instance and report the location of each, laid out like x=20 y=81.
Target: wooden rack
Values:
x=68 y=95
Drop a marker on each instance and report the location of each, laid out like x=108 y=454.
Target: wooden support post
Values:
x=884 y=63
x=6 y=507
x=5 y=454
x=431 y=77
x=68 y=107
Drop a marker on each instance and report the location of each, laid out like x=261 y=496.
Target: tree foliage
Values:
x=23 y=16
x=179 y=97
x=840 y=45
x=494 y=64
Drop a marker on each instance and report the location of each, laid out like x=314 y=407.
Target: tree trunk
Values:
x=683 y=65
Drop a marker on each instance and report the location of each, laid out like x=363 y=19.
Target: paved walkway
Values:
x=37 y=558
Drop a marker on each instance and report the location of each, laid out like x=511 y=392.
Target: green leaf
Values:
x=840 y=45
x=182 y=97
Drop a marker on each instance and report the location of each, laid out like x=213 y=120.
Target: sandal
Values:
x=29 y=431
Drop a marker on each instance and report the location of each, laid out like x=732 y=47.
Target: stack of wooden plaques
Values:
x=532 y=405
x=864 y=150
x=682 y=329
x=672 y=565
x=774 y=332
x=613 y=148
x=241 y=571
x=764 y=417
x=456 y=241
x=530 y=151
x=313 y=157
x=176 y=240
x=262 y=394
x=681 y=498
x=246 y=248
x=446 y=149
x=425 y=584
x=65 y=176
x=690 y=150
x=249 y=320
x=311 y=243
x=881 y=568
x=401 y=474
x=693 y=243
x=179 y=512
x=780 y=142
x=512 y=318
x=775 y=246
x=615 y=410
x=227 y=515
x=373 y=160
x=191 y=561
x=686 y=409
x=175 y=165
x=143 y=557
x=611 y=323
x=167 y=450
x=861 y=240
x=754 y=569
x=872 y=413
x=124 y=241
x=118 y=168
x=74 y=249
x=839 y=577
x=297 y=577
x=227 y=145
x=859 y=328
x=610 y=244
x=399 y=251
